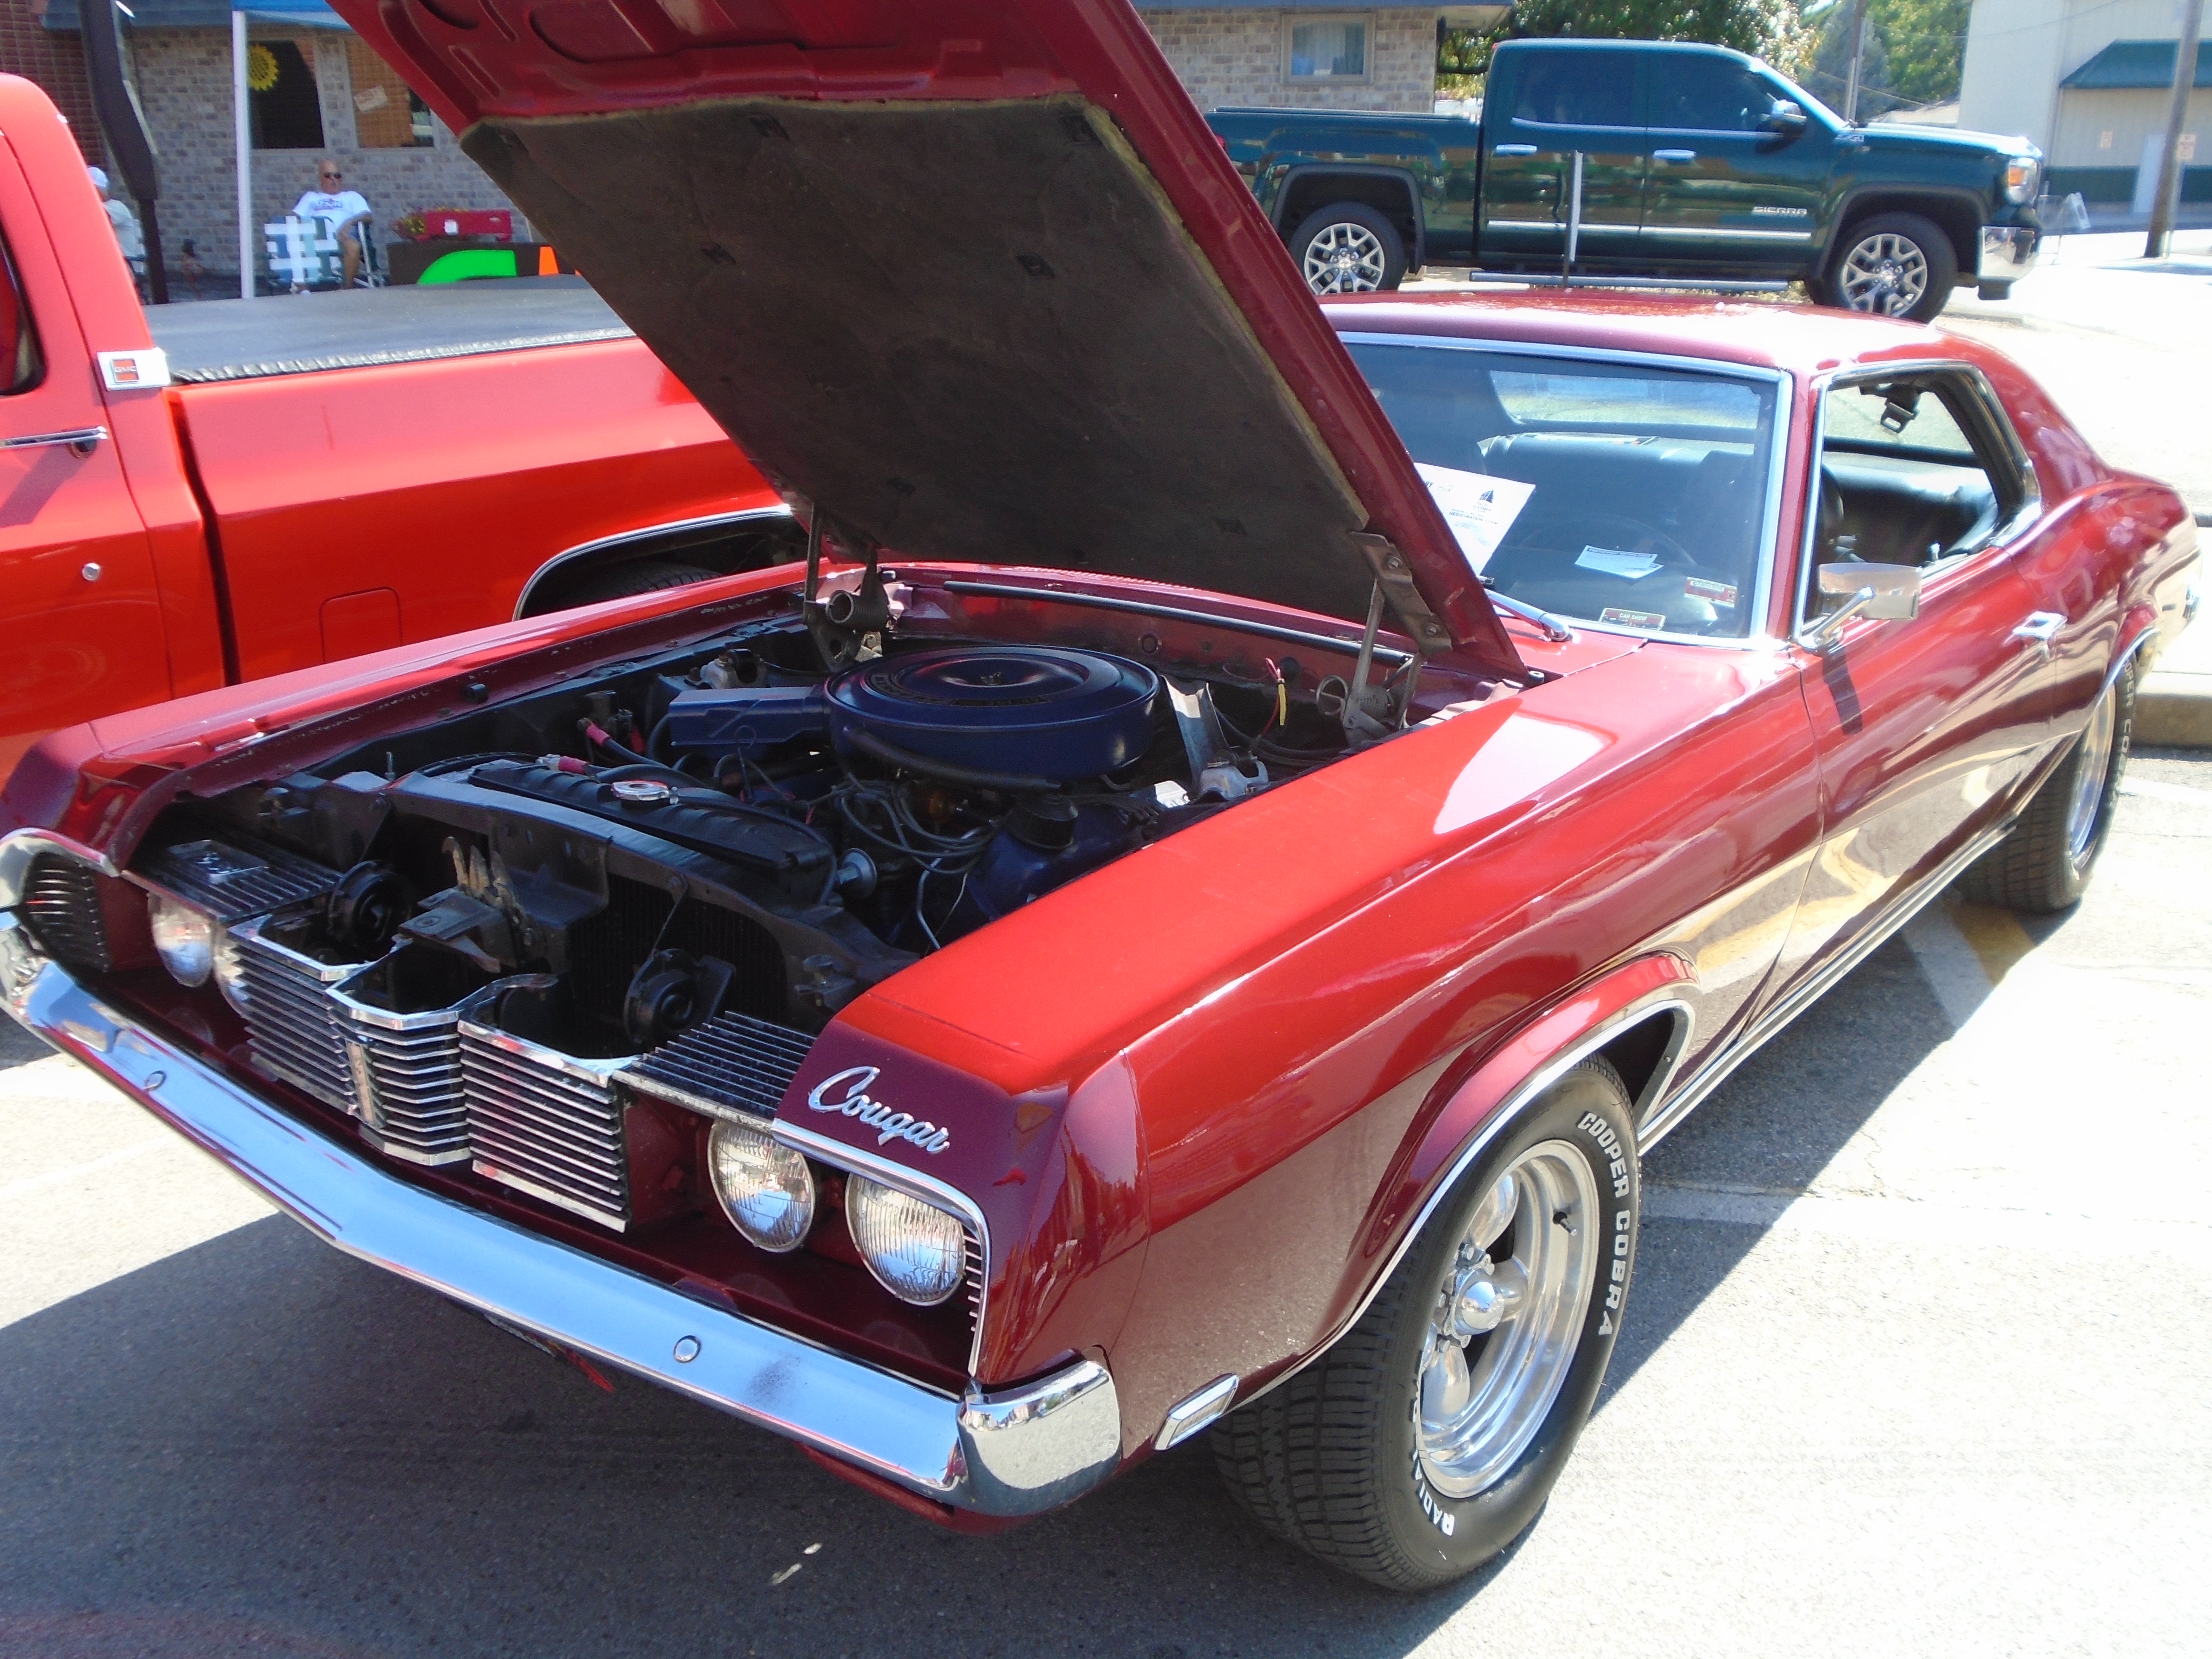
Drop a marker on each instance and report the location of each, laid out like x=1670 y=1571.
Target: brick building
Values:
x=1308 y=51
x=325 y=94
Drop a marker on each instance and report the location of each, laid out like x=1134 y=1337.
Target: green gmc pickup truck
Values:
x=1644 y=160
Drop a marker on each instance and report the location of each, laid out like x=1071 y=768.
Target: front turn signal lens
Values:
x=762 y=1185
x=916 y=1251
x=2020 y=179
x=183 y=938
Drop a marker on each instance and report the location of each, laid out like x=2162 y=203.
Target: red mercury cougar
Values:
x=1181 y=916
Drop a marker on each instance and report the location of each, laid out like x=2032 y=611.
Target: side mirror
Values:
x=1788 y=115
x=1880 y=592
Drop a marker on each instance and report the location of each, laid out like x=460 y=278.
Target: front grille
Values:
x=544 y=1122
x=235 y=878
x=296 y=1031
x=733 y=1062
x=407 y=1081
x=61 y=903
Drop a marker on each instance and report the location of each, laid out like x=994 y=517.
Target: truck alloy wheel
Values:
x=1895 y=264
x=1427 y=1439
x=1349 y=249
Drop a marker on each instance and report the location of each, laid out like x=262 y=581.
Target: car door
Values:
x=80 y=610
x=1723 y=191
x=1927 y=731
x=1563 y=101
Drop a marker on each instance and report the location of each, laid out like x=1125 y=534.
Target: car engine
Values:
x=547 y=938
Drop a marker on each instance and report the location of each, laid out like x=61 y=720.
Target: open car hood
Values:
x=972 y=276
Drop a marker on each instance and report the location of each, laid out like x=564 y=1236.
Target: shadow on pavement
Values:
x=17 y=1046
x=260 y=1445
x=1781 y=1119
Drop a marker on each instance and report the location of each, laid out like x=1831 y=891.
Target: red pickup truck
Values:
x=255 y=486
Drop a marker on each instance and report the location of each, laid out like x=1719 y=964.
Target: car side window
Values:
x=1700 y=93
x=1915 y=469
x=20 y=363
x=1578 y=90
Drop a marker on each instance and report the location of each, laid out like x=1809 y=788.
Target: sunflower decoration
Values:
x=260 y=68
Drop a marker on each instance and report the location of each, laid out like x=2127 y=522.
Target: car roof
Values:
x=1798 y=339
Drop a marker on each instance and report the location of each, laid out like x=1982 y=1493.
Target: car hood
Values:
x=973 y=278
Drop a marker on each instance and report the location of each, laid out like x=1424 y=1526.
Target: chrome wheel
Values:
x=1886 y=273
x=2094 y=761
x=1507 y=1318
x=1345 y=258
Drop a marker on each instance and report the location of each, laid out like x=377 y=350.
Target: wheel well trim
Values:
x=1298 y=172
x=1928 y=202
x=1665 y=1001
x=2144 y=621
x=584 y=551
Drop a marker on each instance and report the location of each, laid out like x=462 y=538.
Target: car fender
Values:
x=1476 y=1099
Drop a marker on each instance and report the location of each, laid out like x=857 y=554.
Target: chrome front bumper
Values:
x=1015 y=1453
x=2008 y=253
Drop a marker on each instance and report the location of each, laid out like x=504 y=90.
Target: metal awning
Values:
x=61 y=15
x=2135 y=65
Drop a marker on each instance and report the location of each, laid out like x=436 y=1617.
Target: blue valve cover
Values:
x=1041 y=711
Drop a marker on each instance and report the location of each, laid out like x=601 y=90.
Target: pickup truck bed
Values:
x=250 y=339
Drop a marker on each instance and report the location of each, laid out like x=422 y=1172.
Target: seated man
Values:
x=342 y=211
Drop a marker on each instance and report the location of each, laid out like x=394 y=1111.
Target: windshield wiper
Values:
x=1554 y=630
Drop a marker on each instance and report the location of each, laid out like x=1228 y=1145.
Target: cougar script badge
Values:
x=846 y=1091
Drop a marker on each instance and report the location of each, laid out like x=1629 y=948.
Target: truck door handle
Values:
x=1514 y=150
x=81 y=440
x=2040 y=629
x=1673 y=155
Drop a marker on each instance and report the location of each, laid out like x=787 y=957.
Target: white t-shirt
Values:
x=128 y=236
x=332 y=209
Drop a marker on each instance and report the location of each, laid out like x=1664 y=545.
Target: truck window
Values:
x=1710 y=94
x=1577 y=90
x=1627 y=494
x=19 y=364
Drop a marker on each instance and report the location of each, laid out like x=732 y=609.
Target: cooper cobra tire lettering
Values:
x=1332 y=1460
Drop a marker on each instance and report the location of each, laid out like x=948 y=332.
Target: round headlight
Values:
x=915 y=1250
x=184 y=939
x=763 y=1187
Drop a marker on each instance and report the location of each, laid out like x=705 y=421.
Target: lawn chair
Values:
x=303 y=254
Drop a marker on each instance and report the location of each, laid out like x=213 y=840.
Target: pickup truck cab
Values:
x=1644 y=160
x=224 y=491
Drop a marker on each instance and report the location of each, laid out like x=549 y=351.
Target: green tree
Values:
x=1765 y=29
x=1913 y=53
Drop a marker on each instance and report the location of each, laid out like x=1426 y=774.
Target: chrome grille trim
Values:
x=544 y=1122
x=232 y=877
x=61 y=901
x=296 y=1029
x=407 y=1080
x=732 y=1066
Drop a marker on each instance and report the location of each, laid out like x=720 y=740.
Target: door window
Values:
x=1697 y=93
x=19 y=364
x=1918 y=469
x=1578 y=90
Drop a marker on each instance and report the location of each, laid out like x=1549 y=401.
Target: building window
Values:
x=286 y=110
x=1326 y=49
x=386 y=115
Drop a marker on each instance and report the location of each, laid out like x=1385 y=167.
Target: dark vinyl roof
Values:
x=303 y=333
x=2134 y=66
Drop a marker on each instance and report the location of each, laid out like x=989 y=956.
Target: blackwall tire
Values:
x=1381 y=1458
x=2046 y=863
x=1894 y=264
x=640 y=576
x=1348 y=248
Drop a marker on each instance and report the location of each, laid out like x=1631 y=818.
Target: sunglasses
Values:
x=334 y=175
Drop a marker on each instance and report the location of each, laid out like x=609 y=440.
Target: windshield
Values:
x=1629 y=496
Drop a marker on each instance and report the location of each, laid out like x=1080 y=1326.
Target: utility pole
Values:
x=2169 y=166
x=1859 y=20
